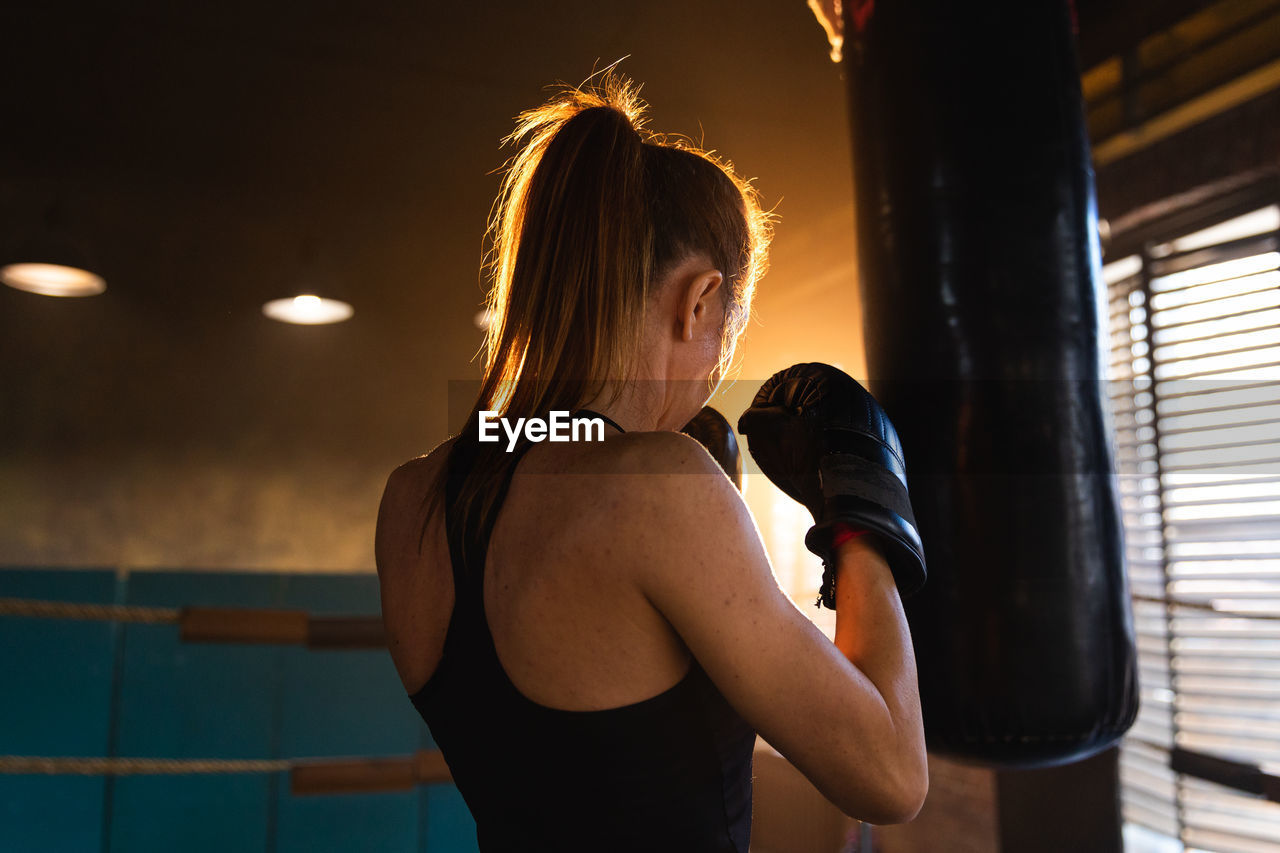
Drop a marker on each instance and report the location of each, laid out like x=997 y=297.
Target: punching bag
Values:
x=983 y=325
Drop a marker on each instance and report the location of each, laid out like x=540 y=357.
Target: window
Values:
x=1194 y=322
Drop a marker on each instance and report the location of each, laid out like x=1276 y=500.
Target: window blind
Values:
x=1194 y=388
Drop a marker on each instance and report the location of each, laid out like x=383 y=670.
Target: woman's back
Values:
x=570 y=711
x=589 y=682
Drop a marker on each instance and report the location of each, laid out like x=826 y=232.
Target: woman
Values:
x=595 y=659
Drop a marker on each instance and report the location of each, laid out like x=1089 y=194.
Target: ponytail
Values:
x=592 y=213
x=571 y=248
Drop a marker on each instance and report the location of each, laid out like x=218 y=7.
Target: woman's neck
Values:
x=641 y=406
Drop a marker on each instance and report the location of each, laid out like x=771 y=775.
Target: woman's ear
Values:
x=701 y=301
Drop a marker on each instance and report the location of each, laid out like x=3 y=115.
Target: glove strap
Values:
x=847 y=475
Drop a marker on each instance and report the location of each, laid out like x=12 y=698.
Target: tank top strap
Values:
x=594 y=414
x=460 y=460
x=467 y=547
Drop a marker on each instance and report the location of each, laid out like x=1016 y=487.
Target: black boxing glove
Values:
x=714 y=432
x=824 y=440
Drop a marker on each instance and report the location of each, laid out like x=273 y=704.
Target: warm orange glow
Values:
x=831 y=19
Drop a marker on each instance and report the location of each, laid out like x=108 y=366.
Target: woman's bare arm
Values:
x=873 y=634
x=846 y=714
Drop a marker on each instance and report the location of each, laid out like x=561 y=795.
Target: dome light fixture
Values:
x=51 y=261
x=49 y=279
x=308 y=309
x=314 y=274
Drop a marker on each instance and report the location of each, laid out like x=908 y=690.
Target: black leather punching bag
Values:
x=978 y=264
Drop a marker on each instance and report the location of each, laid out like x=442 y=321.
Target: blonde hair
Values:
x=593 y=211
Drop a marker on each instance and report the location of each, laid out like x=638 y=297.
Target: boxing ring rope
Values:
x=306 y=776
x=284 y=627
x=220 y=624
x=327 y=776
x=239 y=625
x=59 y=766
x=76 y=610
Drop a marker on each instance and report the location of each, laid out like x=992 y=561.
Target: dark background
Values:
x=210 y=158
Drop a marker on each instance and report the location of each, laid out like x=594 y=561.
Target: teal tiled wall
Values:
x=55 y=699
x=95 y=688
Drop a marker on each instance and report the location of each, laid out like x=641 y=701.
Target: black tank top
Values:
x=668 y=773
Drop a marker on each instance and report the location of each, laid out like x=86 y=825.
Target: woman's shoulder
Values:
x=625 y=461
x=403 y=496
x=420 y=468
x=636 y=477
x=648 y=447
x=659 y=451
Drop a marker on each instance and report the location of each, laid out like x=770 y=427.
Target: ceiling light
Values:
x=52 y=262
x=52 y=279
x=308 y=310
